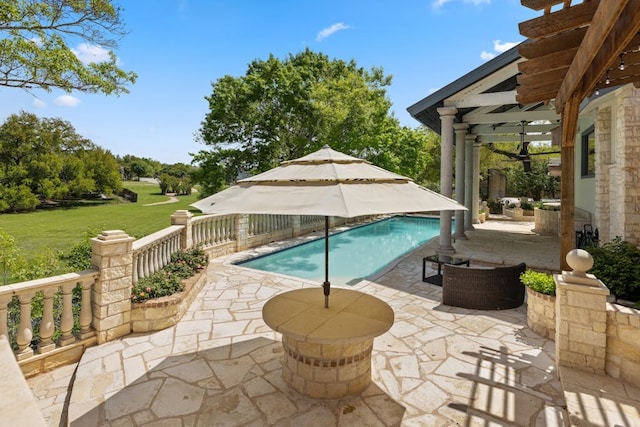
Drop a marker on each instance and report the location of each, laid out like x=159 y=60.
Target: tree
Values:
x=45 y=159
x=34 y=50
x=281 y=110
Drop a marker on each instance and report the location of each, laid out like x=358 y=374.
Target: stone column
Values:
x=461 y=132
x=447 y=115
x=241 y=225
x=183 y=217
x=468 y=181
x=113 y=256
x=581 y=316
x=475 y=201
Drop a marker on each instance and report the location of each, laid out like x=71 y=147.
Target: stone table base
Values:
x=327 y=351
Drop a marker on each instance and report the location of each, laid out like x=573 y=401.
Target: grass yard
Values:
x=62 y=228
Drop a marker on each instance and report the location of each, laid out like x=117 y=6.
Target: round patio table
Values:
x=327 y=351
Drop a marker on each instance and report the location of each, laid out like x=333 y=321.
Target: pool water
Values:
x=353 y=254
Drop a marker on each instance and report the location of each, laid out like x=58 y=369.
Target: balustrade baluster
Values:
x=4 y=302
x=66 y=322
x=154 y=259
x=47 y=326
x=25 y=331
x=134 y=268
x=86 y=315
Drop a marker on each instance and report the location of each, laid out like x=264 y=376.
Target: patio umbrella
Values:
x=327 y=183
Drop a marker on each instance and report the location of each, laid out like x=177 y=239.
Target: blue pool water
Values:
x=353 y=254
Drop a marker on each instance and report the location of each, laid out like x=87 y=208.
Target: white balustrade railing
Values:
x=262 y=224
x=154 y=251
x=209 y=230
x=311 y=219
x=26 y=292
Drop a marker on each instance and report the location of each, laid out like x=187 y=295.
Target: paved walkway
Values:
x=437 y=366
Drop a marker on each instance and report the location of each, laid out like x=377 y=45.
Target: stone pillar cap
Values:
x=580 y=261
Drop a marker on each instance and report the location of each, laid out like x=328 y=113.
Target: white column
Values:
x=447 y=114
x=475 y=202
x=468 y=181
x=461 y=132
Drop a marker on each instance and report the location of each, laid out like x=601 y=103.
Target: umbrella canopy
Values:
x=327 y=183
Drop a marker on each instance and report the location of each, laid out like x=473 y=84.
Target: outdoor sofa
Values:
x=494 y=288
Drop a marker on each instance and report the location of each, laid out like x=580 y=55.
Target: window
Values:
x=588 y=153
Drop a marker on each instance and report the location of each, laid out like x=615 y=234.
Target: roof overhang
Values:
x=485 y=98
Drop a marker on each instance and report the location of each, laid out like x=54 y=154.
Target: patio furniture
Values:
x=494 y=288
x=436 y=279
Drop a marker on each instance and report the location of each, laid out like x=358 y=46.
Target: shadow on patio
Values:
x=238 y=384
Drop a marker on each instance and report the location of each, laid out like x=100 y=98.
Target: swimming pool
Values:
x=353 y=254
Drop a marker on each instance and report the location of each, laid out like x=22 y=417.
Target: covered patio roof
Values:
x=486 y=99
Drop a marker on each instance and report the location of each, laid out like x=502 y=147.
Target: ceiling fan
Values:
x=523 y=154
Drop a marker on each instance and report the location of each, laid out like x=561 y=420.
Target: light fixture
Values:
x=607 y=80
x=597 y=91
x=621 y=66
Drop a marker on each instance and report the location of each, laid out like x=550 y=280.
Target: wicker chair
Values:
x=496 y=288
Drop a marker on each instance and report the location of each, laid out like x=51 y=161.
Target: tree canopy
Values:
x=35 y=51
x=45 y=159
x=283 y=109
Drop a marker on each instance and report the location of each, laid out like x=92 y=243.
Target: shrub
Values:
x=527 y=206
x=539 y=282
x=617 y=265
x=168 y=280
x=495 y=207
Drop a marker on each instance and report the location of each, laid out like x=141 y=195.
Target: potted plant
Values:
x=541 y=302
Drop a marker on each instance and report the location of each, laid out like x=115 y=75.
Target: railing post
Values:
x=113 y=256
x=25 y=331
x=242 y=231
x=295 y=225
x=183 y=217
x=46 y=326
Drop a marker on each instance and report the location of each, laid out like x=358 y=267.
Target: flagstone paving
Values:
x=221 y=365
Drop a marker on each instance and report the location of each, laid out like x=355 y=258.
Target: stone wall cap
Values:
x=593 y=286
x=111 y=235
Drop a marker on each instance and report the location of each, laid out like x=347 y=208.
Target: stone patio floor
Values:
x=437 y=366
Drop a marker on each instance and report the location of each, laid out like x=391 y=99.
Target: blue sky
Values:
x=179 y=47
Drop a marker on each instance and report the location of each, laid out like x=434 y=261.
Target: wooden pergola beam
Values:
x=540 y=4
x=549 y=62
x=563 y=20
x=609 y=32
x=555 y=43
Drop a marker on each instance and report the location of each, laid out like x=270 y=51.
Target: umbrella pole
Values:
x=326 y=285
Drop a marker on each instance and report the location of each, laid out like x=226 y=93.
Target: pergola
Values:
x=574 y=49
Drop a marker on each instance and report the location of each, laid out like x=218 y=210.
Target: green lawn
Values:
x=63 y=227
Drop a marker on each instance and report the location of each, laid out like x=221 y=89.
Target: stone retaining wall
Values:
x=541 y=313
x=623 y=343
x=160 y=313
x=547 y=223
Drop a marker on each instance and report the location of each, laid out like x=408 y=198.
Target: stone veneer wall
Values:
x=623 y=343
x=622 y=347
x=541 y=313
x=618 y=167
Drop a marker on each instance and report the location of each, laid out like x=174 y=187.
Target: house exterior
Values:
x=481 y=107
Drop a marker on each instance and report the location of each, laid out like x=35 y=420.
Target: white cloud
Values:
x=485 y=56
x=87 y=53
x=39 y=103
x=500 y=47
x=66 y=101
x=331 y=30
